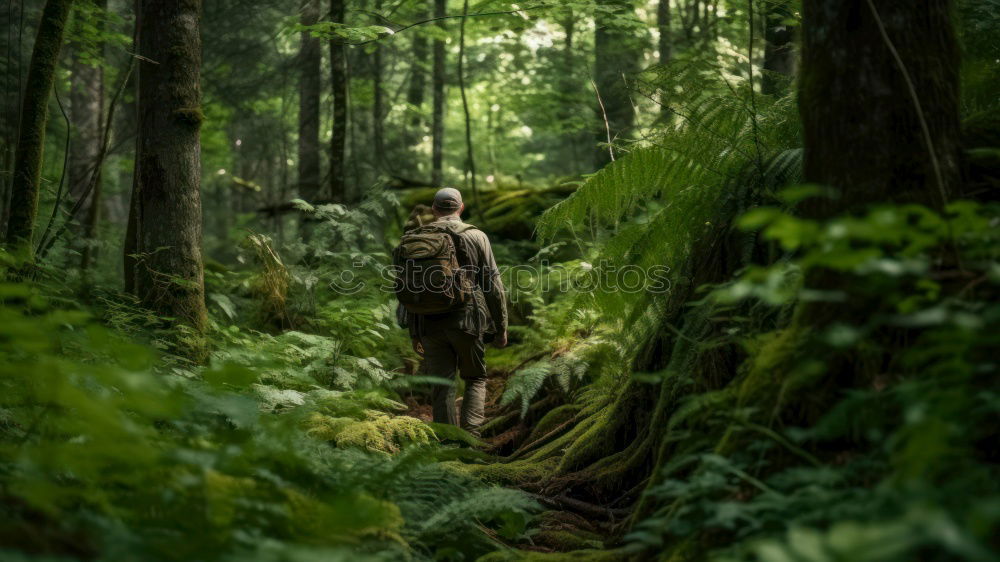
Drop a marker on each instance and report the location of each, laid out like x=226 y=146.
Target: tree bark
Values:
x=437 y=127
x=309 y=95
x=169 y=276
x=578 y=142
x=470 y=157
x=664 y=44
x=34 y=115
x=378 y=98
x=87 y=119
x=416 y=92
x=779 y=48
x=863 y=124
x=616 y=57
x=339 y=81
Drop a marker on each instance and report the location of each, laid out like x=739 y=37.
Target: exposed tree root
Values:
x=566 y=503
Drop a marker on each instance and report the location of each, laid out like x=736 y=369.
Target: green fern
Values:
x=673 y=190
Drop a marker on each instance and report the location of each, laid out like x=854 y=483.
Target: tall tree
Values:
x=87 y=117
x=437 y=126
x=34 y=115
x=417 y=87
x=779 y=48
x=617 y=52
x=378 y=98
x=878 y=96
x=567 y=93
x=416 y=90
x=338 y=80
x=663 y=24
x=310 y=58
x=470 y=156
x=169 y=276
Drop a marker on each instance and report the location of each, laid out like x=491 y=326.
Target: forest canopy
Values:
x=746 y=302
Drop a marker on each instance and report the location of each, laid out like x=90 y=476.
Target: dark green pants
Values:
x=447 y=350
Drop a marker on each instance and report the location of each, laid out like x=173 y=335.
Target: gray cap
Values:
x=448 y=199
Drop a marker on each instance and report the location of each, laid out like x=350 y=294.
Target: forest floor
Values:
x=565 y=524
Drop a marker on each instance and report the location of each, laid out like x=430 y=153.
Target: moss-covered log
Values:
x=34 y=114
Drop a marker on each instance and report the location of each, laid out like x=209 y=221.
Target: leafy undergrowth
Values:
x=110 y=452
x=865 y=438
x=289 y=443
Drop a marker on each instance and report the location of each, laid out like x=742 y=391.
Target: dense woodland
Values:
x=199 y=358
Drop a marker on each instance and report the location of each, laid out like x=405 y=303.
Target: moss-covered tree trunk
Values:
x=338 y=80
x=309 y=90
x=34 y=114
x=437 y=118
x=169 y=274
x=877 y=127
x=617 y=54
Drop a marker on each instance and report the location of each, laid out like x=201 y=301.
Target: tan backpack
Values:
x=429 y=261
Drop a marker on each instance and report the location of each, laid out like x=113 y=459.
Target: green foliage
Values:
x=91 y=30
x=109 y=451
x=898 y=461
x=580 y=364
x=655 y=205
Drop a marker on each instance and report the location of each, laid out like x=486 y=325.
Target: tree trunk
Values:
x=616 y=58
x=418 y=76
x=34 y=114
x=569 y=100
x=416 y=91
x=309 y=94
x=470 y=157
x=339 y=79
x=663 y=24
x=87 y=119
x=779 y=49
x=868 y=134
x=437 y=151
x=378 y=99
x=169 y=275
x=130 y=119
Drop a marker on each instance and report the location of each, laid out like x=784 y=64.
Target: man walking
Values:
x=454 y=339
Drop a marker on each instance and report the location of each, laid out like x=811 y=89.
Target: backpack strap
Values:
x=461 y=250
x=464 y=261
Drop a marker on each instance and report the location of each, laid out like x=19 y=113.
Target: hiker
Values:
x=451 y=289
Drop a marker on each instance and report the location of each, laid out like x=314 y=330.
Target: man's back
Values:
x=489 y=305
x=454 y=341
